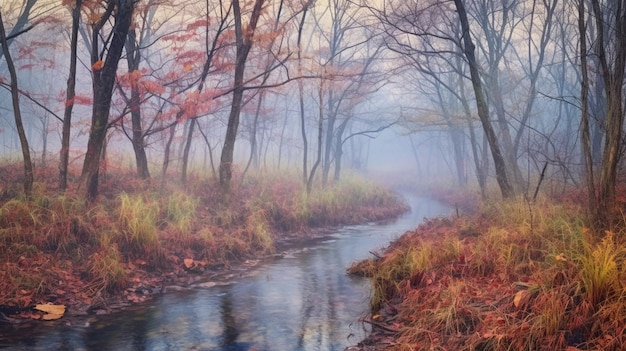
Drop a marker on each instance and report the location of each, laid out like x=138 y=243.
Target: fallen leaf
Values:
x=518 y=297
x=51 y=309
x=188 y=262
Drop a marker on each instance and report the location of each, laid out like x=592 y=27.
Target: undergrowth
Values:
x=145 y=225
x=514 y=276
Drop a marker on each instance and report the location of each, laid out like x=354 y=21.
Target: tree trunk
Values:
x=328 y=140
x=480 y=166
x=28 y=166
x=613 y=75
x=254 y=153
x=281 y=143
x=305 y=142
x=210 y=149
x=133 y=58
x=584 y=120
x=339 y=150
x=192 y=127
x=69 y=102
x=483 y=110
x=320 y=136
x=103 y=81
x=168 y=151
x=244 y=44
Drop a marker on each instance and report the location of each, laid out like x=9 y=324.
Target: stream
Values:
x=301 y=301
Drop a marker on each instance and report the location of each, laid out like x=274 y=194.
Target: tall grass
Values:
x=106 y=270
x=180 y=214
x=138 y=219
x=531 y=279
x=601 y=269
x=135 y=221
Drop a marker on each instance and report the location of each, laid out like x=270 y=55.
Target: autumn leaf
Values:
x=197 y=24
x=94 y=17
x=519 y=296
x=97 y=65
x=188 y=262
x=82 y=100
x=52 y=312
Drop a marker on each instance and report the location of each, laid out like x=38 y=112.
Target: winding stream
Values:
x=302 y=301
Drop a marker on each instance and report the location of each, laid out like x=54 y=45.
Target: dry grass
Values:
x=515 y=276
x=138 y=228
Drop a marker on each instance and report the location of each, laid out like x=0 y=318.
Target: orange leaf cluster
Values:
x=97 y=65
x=136 y=79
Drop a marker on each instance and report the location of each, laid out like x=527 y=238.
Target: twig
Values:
x=375 y=255
x=543 y=173
x=381 y=326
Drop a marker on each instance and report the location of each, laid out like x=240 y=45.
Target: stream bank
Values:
x=300 y=299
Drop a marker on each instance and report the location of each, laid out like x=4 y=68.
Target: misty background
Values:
x=368 y=86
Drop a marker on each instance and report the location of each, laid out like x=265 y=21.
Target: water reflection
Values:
x=301 y=302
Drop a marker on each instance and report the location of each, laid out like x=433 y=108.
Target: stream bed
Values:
x=302 y=300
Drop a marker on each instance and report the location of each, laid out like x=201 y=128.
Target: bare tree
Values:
x=105 y=57
x=70 y=95
x=506 y=188
x=584 y=120
x=28 y=166
x=244 y=40
x=610 y=47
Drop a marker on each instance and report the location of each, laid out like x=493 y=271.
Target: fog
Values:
x=390 y=84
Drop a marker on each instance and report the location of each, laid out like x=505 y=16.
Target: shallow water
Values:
x=302 y=301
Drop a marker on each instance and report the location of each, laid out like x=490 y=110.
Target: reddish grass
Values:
x=56 y=248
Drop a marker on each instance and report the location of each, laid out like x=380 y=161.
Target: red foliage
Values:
x=201 y=23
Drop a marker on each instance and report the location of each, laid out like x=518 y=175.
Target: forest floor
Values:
x=64 y=258
x=512 y=275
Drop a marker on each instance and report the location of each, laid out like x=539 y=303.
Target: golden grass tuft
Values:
x=180 y=211
x=138 y=219
x=601 y=269
x=106 y=270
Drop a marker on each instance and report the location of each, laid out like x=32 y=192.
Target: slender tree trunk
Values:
x=133 y=59
x=481 y=175
x=28 y=166
x=320 y=136
x=339 y=150
x=192 y=127
x=69 y=102
x=281 y=143
x=254 y=153
x=44 y=139
x=305 y=143
x=483 y=110
x=208 y=144
x=584 y=120
x=510 y=156
x=328 y=140
x=168 y=151
x=244 y=44
x=479 y=162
